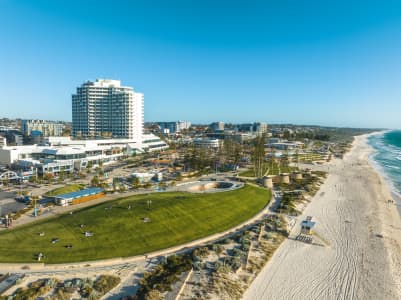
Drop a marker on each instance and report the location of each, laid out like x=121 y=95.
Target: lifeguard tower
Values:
x=307 y=226
x=306 y=231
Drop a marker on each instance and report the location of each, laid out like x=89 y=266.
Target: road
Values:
x=8 y=204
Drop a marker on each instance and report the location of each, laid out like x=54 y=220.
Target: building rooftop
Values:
x=63 y=151
x=104 y=83
x=80 y=194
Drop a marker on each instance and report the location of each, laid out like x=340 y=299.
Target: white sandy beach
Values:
x=363 y=258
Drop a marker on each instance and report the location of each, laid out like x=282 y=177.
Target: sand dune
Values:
x=362 y=259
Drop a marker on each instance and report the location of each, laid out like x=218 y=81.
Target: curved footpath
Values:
x=363 y=230
x=118 y=262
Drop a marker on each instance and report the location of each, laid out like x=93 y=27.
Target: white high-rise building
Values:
x=105 y=108
x=174 y=127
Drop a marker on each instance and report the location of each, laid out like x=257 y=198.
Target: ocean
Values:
x=387 y=159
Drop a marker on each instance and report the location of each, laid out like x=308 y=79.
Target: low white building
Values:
x=62 y=154
x=174 y=127
x=207 y=143
x=143 y=177
x=285 y=145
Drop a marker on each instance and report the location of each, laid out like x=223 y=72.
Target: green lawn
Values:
x=176 y=218
x=309 y=157
x=275 y=170
x=65 y=189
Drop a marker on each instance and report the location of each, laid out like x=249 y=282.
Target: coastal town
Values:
x=277 y=182
x=200 y=150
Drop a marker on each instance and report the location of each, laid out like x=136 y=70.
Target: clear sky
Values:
x=307 y=62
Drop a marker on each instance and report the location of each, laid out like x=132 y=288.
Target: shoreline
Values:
x=395 y=194
x=363 y=258
x=391 y=218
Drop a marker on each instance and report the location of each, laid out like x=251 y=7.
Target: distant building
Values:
x=230 y=135
x=273 y=140
x=207 y=143
x=284 y=145
x=14 y=138
x=259 y=128
x=173 y=127
x=36 y=136
x=47 y=128
x=240 y=137
x=217 y=126
x=9 y=124
x=3 y=142
x=104 y=108
x=247 y=127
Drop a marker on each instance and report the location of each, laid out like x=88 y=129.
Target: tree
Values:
x=162 y=185
x=61 y=176
x=287 y=134
x=135 y=182
x=284 y=162
x=66 y=131
x=258 y=156
x=6 y=181
x=32 y=179
x=48 y=177
x=95 y=181
x=237 y=153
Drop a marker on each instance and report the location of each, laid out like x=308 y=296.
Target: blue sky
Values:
x=307 y=62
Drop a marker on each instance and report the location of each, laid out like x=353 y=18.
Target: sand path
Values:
x=363 y=257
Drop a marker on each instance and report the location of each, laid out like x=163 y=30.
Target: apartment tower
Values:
x=104 y=108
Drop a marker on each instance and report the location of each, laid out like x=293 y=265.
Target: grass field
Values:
x=273 y=171
x=65 y=189
x=176 y=218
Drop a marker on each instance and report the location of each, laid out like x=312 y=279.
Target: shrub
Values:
x=164 y=275
x=227 y=241
x=218 y=249
x=267 y=236
x=238 y=252
x=233 y=262
x=153 y=295
x=105 y=283
x=245 y=246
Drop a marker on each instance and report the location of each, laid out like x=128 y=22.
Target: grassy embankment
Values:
x=65 y=189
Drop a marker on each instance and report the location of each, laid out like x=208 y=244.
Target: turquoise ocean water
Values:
x=387 y=160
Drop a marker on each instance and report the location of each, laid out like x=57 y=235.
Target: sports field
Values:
x=119 y=228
